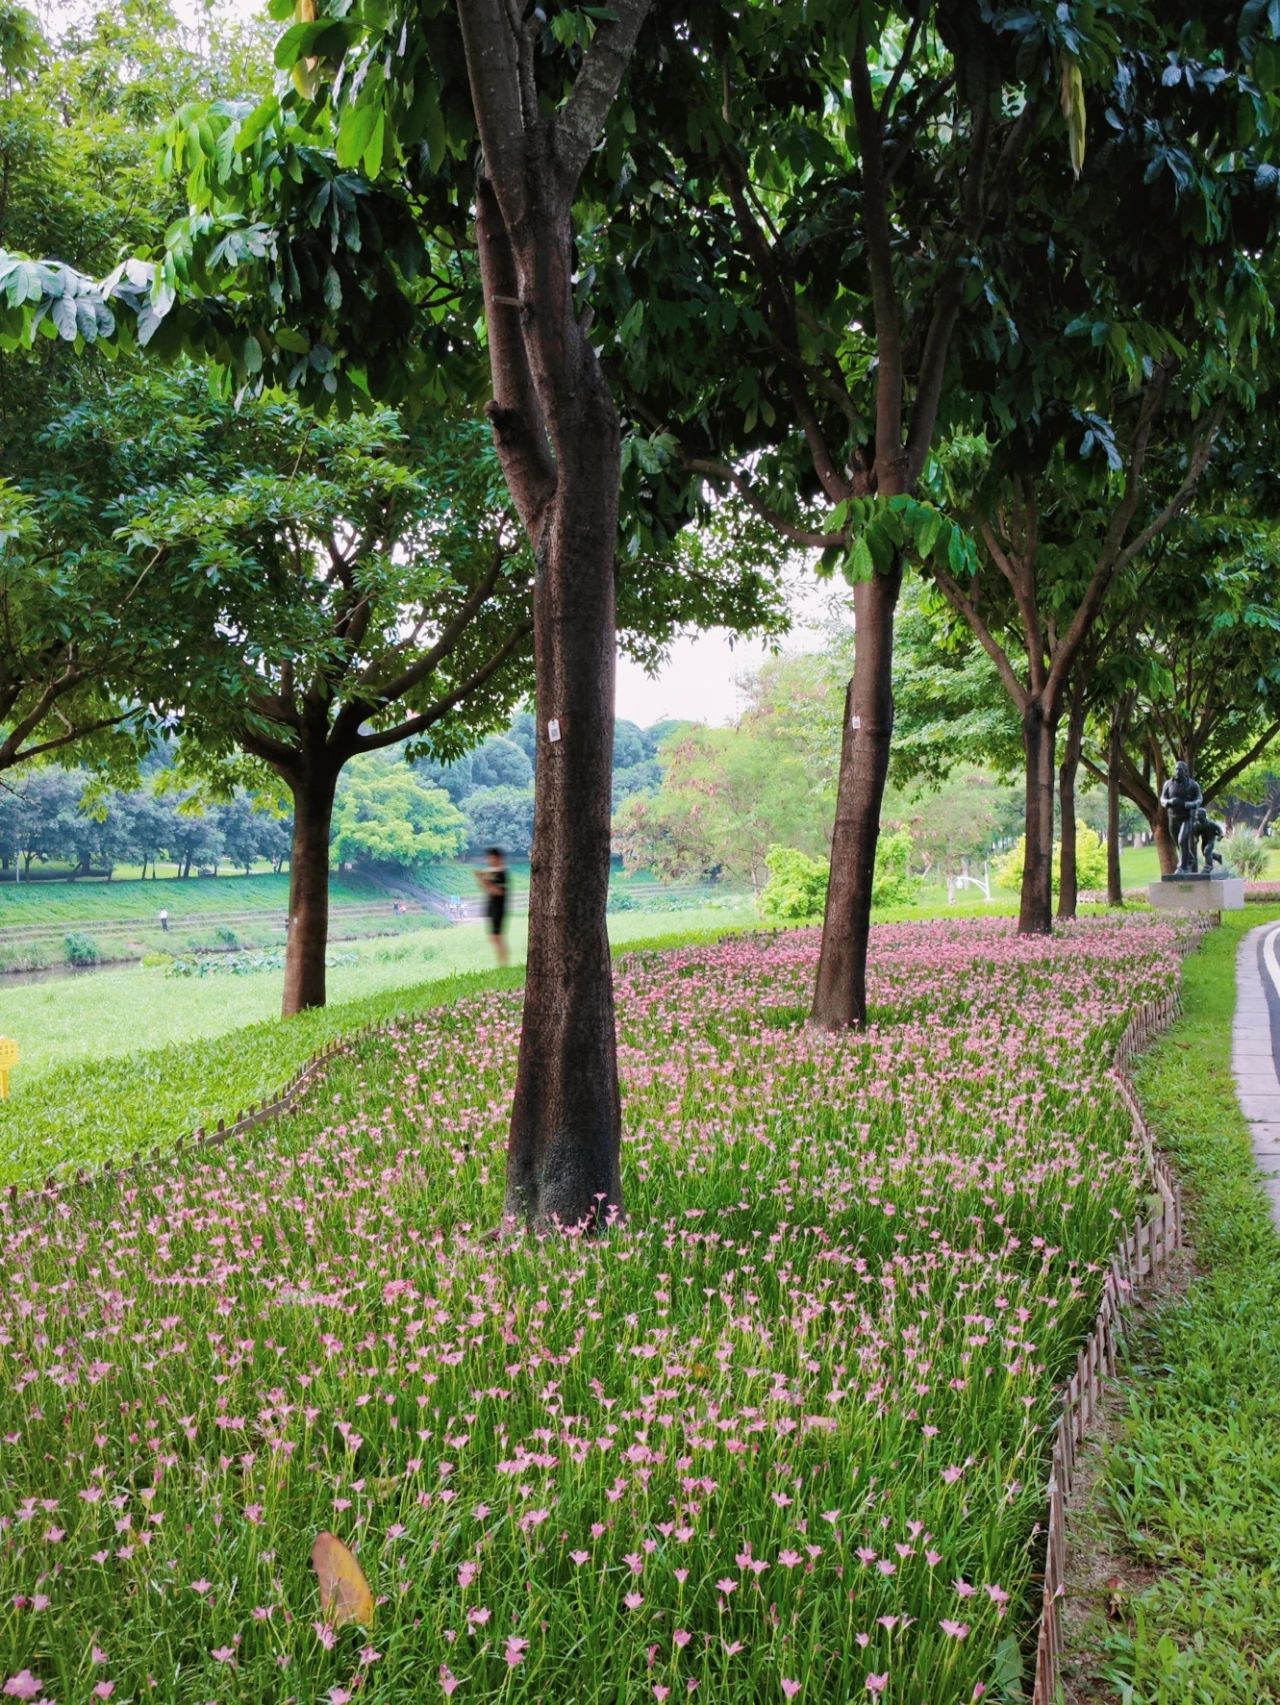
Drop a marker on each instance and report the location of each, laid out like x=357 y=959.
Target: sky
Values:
x=700 y=680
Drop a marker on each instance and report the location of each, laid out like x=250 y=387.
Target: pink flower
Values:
x=682 y=1638
x=516 y=1649
x=660 y=1692
x=339 y=1696
x=789 y=1688
x=877 y=1683
x=954 y=1630
x=726 y=1586
x=448 y=1680
x=580 y=1557
x=633 y=1601
x=326 y=1636
x=789 y=1559
x=466 y=1574
x=224 y=1654
x=99 y=1656
x=24 y=1685
x=104 y=1690
x=201 y=1586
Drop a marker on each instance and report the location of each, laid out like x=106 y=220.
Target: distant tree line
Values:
x=387 y=813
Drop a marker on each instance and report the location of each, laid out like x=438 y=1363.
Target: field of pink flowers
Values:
x=780 y=1436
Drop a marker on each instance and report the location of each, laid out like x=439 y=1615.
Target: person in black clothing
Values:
x=493 y=879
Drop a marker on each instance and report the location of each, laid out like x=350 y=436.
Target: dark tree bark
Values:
x=1115 y=887
x=1068 y=877
x=840 y=993
x=1039 y=737
x=558 y=438
x=313 y=787
x=1166 y=846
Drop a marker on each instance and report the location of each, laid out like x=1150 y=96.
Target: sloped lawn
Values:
x=778 y=1436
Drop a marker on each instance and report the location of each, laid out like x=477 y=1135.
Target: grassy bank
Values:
x=780 y=1436
x=58 y=903
x=1189 y=1490
x=126 y=1060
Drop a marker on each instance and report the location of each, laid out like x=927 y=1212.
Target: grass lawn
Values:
x=121 y=1060
x=1191 y=1489
x=780 y=1435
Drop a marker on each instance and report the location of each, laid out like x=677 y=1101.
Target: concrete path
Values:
x=1255 y=1049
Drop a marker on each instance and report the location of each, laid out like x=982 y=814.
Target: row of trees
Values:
x=984 y=293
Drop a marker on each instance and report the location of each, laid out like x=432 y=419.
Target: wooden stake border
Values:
x=1136 y=1262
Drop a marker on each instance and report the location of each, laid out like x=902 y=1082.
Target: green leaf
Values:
x=373 y=152
x=259 y=120
x=355 y=133
x=859 y=564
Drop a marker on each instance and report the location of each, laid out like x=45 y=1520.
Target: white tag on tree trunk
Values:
x=855 y=721
x=553 y=730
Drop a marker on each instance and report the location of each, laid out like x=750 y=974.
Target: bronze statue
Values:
x=1208 y=834
x=1181 y=799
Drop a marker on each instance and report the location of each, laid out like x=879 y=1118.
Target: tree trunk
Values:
x=840 y=994
x=308 y=937
x=563 y=1166
x=1039 y=731
x=1115 y=887
x=1068 y=877
x=1166 y=846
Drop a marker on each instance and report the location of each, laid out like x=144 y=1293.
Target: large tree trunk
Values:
x=840 y=994
x=308 y=938
x=558 y=438
x=1039 y=730
x=1166 y=846
x=1115 y=887
x=563 y=1150
x=1068 y=877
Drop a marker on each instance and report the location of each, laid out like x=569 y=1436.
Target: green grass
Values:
x=58 y=903
x=130 y=1059
x=781 y=1434
x=1193 y=1484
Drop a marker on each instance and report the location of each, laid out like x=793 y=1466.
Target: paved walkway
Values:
x=1255 y=1049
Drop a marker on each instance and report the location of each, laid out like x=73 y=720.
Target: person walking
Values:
x=493 y=879
x=164 y=919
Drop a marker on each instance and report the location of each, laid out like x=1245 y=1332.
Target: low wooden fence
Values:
x=257 y=1113
x=1137 y=1260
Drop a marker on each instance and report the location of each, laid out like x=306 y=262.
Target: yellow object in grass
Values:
x=8 y=1058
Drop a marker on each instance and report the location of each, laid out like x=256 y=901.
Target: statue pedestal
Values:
x=1198 y=893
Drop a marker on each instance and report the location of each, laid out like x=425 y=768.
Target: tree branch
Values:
x=1241 y=764
x=515 y=414
x=579 y=124
x=426 y=719
x=965 y=607
x=788 y=529
x=369 y=698
x=884 y=297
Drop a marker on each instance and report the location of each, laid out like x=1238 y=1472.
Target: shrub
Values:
x=797 y=887
x=81 y=949
x=25 y=956
x=226 y=936
x=1091 y=861
x=796 y=891
x=1246 y=853
x=893 y=883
